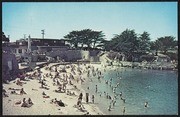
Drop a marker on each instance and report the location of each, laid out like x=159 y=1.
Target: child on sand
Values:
x=92 y=98
x=25 y=104
x=60 y=103
x=87 y=97
x=30 y=101
x=80 y=96
x=22 y=91
x=19 y=82
x=124 y=110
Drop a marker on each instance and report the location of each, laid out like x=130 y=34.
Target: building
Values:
x=38 y=46
x=10 y=67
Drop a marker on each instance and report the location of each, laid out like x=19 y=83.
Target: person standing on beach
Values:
x=87 y=97
x=96 y=88
x=30 y=101
x=24 y=104
x=124 y=110
x=22 y=91
x=80 y=96
x=42 y=84
x=93 y=99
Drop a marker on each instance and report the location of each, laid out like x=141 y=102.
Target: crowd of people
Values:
x=77 y=76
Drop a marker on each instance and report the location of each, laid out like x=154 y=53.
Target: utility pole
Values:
x=43 y=33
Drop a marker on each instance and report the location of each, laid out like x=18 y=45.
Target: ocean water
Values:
x=158 y=88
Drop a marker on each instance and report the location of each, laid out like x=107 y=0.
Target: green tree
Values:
x=166 y=43
x=155 y=45
x=144 y=42
x=97 y=38
x=74 y=38
x=85 y=37
x=126 y=42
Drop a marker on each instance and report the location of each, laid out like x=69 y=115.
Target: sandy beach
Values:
x=43 y=104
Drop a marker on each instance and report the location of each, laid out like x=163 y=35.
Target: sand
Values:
x=42 y=106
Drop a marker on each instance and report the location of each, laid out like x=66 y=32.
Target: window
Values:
x=19 y=50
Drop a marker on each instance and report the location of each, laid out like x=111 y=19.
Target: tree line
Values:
x=127 y=42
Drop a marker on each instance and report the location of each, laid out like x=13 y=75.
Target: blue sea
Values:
x=158 y=88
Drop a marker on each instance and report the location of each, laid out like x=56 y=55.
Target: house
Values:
x=37 y=46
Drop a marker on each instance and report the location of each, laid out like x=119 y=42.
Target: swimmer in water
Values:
x=109 y=108
x=124 y=100
x=124 y=110
x=146 y=104
x=96 y=88
x=114 y=102
x=120 y=94
x=117 y=84
x=107 y=95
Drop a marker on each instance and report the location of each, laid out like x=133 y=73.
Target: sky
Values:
x=159 y=19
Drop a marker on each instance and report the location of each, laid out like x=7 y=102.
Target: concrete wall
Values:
x=85 y=54
x=74 y=55
x=94 y=52
x=6 y=72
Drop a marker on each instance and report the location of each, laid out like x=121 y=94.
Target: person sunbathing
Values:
x=22 y=91
x=4 y=94
x=4 y=91
x=14 y=92
x=68 y=92
x=71 y=93
x=60 y=103
x=81 y=108
x=18 y=102
x=24 y=104
x=46 y=88
x=79 y=102
x=30 y=101
x=18 y=82
x=43 y=93
x=59 y=91
x=46 y=96
x=14 y=89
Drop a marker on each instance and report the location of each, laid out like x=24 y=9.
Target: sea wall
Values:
x=10 y=66
x=74 y=55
